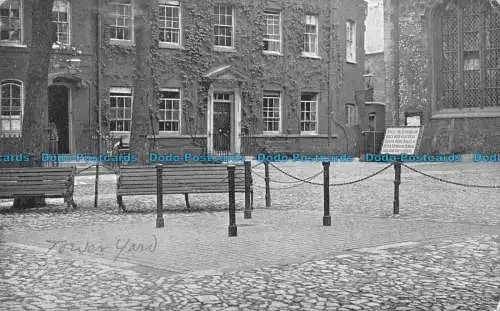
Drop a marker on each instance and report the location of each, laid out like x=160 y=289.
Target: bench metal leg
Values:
x=70 y=202
x=119 y=199
x=186 y=198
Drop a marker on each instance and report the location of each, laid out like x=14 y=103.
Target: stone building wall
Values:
x=462 y=131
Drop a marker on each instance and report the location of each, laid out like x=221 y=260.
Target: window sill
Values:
x=121 y=42
x=13 y=45
x=226 y=49
x=487 y=112
x=164 y=45
x=168 y=134
x=312 y=56
x=267 y=135
x=271 y=134
x=176 y=136
x=272 y=53
x=118 y=134
x=308 y=134
x=352 y=62
x=10 y=135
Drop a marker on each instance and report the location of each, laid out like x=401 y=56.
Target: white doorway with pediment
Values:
x=224 y=111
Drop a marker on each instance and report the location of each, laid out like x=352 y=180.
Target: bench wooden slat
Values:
x=33 y=188
x=178 y=173
x=178 y=191
x=166 y=179
x=170 y=183
x=34 y=181
x=36 y=170
x=35 y=175
x=184 y=186
x=181 y=166
x=178 y=179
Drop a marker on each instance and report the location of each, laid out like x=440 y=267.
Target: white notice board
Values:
x=399 y=140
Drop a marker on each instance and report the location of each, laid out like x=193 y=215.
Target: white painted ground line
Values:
x=382 y=249
x=115 y=264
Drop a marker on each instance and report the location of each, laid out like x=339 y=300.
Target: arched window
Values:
x=469 y=55
x=11 y=98
x=61 y=16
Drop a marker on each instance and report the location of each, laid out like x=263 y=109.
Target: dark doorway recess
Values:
x=58 y=114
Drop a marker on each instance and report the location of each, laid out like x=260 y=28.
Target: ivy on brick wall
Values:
x=192 y=62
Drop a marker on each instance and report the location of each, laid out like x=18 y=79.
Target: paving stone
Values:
x=208 y=299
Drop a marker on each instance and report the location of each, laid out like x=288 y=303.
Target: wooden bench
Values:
x=49 y=182
x=179 y=179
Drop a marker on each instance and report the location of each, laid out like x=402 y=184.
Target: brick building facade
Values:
x=229 y=75
x=449 y=72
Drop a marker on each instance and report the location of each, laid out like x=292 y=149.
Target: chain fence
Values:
x=449 y=181
x=333 y=184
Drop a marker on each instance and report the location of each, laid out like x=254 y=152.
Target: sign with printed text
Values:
x=399 y=140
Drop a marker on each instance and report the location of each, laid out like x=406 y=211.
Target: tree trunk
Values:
x=144 y=89
x=35 y=119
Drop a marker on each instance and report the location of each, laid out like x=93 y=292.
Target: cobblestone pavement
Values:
x=450 y=260
x=459 y=274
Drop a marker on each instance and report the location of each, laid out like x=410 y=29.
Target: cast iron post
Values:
x=397 y=182
x=266 y=178
x=233 y=230
x=248 y=178
x=160 y=222
x=327 y=219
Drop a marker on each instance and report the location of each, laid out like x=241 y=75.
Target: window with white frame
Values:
x=311 y=36
x=11 y=21
x=120 y=109
x=350 y=41
x=271 y=112
x=11 y=106
x=170 y=111
x=351 y=114
x=121 y=27
x=61 y=17
x=223 y=25
x=272 y=38
x=170 y=22
x=309 y=113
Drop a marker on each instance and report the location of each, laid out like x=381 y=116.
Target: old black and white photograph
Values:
x=225 y=155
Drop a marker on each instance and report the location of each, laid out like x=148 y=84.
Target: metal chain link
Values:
x=449 y=181
x=83 y=170
x=258 y=164
x=334 y=184
x=105 y=166
x=280 y=188
x=288 y=182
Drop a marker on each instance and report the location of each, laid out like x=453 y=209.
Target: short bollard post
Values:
x=397 y=182
x=248 y=180
x=327 y=219
x=266 y=178
x=160 y=222
x=233 y=230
